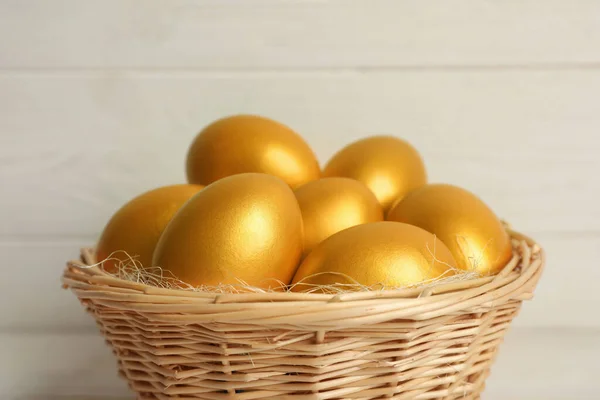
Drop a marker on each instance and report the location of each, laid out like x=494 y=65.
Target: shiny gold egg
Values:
x=134 y=230
x=389 y=166
x=245 y=228
x=378 y=255
x=330 y=205
x=472 y=232
x=250 y=143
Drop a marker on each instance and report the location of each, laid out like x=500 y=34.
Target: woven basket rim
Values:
x=523 y=279
x=433 y=342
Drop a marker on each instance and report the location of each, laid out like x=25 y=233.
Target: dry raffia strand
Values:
x=132 y=270
x=435 y=341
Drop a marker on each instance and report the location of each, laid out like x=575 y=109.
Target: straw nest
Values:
x=431 y=342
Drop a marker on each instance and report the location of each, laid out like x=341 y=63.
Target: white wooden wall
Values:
x=100 y=99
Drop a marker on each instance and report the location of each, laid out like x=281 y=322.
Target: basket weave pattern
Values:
x=435 y=342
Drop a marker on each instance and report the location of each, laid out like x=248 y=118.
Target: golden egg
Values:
x=378 y=255
x=389 y=166
x=135 y=229
x=245 y=228
x=330 y=205
x=462 y=221
x=249 y=143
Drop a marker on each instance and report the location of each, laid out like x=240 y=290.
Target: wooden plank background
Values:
x=99 y=101
x=295 y=34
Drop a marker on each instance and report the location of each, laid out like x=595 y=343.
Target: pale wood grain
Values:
x=296 y=34
x=31 y=296
x=60 y=365
x=75 y=146
x=553 y=364
x=533 y=364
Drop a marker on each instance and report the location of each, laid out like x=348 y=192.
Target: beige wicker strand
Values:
x=430 y=343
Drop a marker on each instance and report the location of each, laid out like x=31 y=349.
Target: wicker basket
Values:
x=420 y=343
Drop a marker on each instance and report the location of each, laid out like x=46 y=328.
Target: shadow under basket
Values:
x=435 y=342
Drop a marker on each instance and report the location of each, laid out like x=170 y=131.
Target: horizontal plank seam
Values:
x=350 y=69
